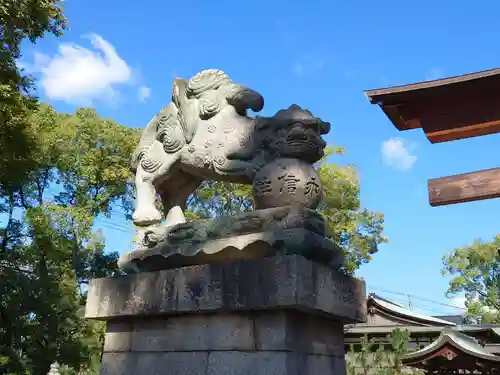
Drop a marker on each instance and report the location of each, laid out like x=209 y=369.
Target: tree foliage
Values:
x=372 y=357
x=20 y=20
x=49 y=245
x=356 y=230
x=475 y=272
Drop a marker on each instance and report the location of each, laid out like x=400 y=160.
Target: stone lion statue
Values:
x=205 y=133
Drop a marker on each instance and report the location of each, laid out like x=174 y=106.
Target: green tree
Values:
x=20 y=20
x=50 y=247
x=357 y=230
x=372 y=357
x=475 y=272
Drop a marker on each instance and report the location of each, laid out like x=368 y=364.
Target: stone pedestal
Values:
x=271 y=316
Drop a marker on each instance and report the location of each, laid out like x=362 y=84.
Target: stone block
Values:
x=299 y=332
x=118 y=336
x=118 y=364
x=273 y=363
x=194 y=333
x=181 y=363
x=221 y=363
x=285 y=282
x=247 y=363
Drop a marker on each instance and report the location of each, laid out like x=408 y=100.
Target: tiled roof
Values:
x=400 y=310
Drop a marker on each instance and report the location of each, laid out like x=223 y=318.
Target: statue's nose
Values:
x=298 y=132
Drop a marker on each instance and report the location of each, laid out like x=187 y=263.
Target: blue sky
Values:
x=121 y=56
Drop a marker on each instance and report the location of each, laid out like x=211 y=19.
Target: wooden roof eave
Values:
x=442 y=108
x=386 y=95
x=449 y=337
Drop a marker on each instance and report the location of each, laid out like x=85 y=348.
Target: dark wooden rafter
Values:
x=446 y=109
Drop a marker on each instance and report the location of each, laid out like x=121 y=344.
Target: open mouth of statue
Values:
x=297 y=139
x=298 y=145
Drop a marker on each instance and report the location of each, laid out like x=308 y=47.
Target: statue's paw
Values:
x=144 y=217
x=155 y=235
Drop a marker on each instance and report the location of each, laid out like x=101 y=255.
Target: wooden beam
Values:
x=465 y=187
x=476 y=130
x=453 y=120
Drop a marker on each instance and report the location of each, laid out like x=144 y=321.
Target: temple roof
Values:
x=396 y=311
x=382 y=330
x=445 y=109
x=457 y=319
x=450 y=350
x=396 y=94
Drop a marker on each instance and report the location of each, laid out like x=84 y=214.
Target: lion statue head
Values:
x=293 y=133
x=207 y=94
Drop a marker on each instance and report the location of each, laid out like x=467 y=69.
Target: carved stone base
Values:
x=250 y=235
x=279 y=316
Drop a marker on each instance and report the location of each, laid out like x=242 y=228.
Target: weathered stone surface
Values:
x=171 y=363
x=287 y=181
x=271 y=283
x=273 y=363
x=118 y=364
x=181 y=363
x=299 y=332
x=118 y=336
x=221 y=363
x=246 y=363
x=194 y=333
x=274 y=330
x=247 y=235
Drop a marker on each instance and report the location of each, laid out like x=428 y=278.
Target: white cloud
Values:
x=144 y=93
x=78 y=75
x=396 y=153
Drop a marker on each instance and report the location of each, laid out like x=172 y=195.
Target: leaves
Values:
x=19 y=20
x=380 y=357
x=357 y=230
x=79 y=170
x=475 y=271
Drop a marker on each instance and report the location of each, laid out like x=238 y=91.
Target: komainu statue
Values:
x=206 y=134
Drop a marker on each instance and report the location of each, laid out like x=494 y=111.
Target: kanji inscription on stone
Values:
x=312 y=187
x=289 y=183
x=263 y=186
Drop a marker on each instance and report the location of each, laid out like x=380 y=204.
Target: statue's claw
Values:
x=155 y=235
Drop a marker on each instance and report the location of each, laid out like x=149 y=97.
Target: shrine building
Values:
x=438 y=344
